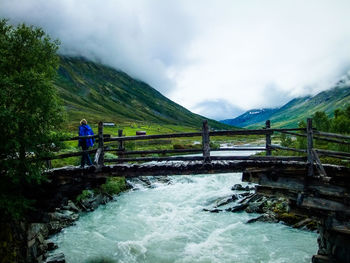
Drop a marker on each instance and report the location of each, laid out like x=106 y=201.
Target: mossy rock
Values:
x=290 y=218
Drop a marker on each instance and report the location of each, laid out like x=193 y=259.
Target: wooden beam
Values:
x=241 y=132
x=294 y=133
x=310 y=159
x=331 y=140
x=223 y=158
x=121 y=149
x=268 y=139
x=156 y=136
x=327 y=152
x=332 y=135
x=100 y=161
x=154 y=151
x=319 y=165
x=206 y=142
x=67 y=155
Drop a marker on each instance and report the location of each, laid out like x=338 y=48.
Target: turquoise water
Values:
x=167 y=224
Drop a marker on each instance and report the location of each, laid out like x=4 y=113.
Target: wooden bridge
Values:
x=313 y=188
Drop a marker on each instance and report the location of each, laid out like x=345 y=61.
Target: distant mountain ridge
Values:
x=298 y=109
x=250 y=117
x=98 y=92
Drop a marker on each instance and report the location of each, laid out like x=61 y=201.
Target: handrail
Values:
x=310 y=133
x=85 y=137
x=334 y=135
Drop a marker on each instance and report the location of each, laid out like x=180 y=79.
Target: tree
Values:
x=30 y=113
x=321 y=121
x=301 y=141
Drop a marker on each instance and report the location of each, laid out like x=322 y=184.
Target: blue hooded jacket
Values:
x=85 y=130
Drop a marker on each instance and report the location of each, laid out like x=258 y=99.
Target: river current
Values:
x=166 y=223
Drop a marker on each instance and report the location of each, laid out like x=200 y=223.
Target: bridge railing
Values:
x=311 y=154
x=206 y=150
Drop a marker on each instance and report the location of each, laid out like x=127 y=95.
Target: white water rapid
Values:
x=167 y=223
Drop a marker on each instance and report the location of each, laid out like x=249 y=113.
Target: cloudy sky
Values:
x=217 y=58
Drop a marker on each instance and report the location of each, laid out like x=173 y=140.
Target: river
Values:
x=166 y=223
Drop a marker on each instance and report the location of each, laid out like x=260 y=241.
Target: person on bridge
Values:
x=85 y=130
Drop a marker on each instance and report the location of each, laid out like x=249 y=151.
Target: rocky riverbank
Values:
x=41 y=249
x=271 y=209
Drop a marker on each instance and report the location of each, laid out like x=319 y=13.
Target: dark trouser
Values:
x=85 y=158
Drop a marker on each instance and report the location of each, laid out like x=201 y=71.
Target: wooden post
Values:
x=100 y=144
x=206 y=142
x=310 y=156
x=268 y=139
x=49 y=164
x=121 y=145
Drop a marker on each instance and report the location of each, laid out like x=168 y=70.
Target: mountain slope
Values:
x=250 y=117
x=298 y=109
x=96 y=92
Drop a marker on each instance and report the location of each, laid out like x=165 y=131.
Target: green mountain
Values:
x=97 y=92
x=298 y=109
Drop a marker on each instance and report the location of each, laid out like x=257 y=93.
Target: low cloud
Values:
x=202 y=52
x=217 y=109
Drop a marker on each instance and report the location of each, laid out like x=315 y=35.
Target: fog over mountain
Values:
x=217 y=58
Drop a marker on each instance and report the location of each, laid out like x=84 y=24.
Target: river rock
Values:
x=224 y=202
x=56 y=258
x=255 y=207
x=267 y=217
x=51 y=245
x=237 y=187
x=71 y=206
x=64 y=215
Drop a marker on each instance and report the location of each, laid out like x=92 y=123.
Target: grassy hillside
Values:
x=299 y=109
x=97 y=92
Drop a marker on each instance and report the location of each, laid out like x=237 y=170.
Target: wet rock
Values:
x=71 y=206
x=255 y=207
x=267 y=217
x=237 y=187
x=249 y=188
x=64 y=215
x=237 y=208
x=35 y=229
x=244 y=194
x=51 y=245
x=56 y=258
x=235 y=197
x=212 y=210
x=225 y=202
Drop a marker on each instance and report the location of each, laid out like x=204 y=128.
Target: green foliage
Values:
x=286 y=140
x=301 y=141
x=29 y=109
x=114 y=185
x=85 y=194
x=340 y=123
x=321 y=121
